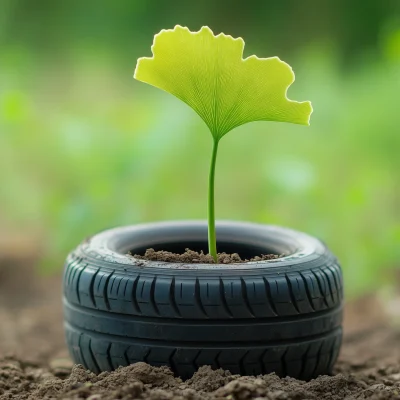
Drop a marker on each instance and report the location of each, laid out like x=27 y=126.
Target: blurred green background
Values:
x=84 y=147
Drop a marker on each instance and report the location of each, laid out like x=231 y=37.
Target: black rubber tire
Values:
x=281 y=315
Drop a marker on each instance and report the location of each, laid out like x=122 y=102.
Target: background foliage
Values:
x=84 y=147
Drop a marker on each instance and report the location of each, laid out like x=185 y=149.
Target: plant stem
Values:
x=212 y=240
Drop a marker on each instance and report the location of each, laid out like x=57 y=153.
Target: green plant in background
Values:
x=53 y=174
x=208 y=73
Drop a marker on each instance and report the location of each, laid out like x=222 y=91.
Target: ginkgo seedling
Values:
x=208 y=73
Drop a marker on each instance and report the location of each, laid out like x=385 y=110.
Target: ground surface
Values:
x=34 y=363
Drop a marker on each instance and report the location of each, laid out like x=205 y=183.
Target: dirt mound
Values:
x=194 y=257
x=141 y=381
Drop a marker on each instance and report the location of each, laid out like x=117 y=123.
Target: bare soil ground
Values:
x=34 y=363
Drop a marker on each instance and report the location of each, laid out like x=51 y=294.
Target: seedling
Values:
x=208 y=73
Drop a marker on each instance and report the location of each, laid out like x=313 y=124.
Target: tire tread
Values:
x=311 y=290
x=226 y=297
x=290 y=360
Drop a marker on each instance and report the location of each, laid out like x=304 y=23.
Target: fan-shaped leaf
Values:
x=209 y=73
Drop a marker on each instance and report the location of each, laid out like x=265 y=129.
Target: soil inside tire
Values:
x=34 y=362
x=195 y=257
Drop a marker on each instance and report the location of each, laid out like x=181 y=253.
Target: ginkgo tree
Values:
x=208 y=73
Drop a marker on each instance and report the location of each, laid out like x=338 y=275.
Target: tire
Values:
x=282 y=315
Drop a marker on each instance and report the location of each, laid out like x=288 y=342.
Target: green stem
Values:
x=212 y=240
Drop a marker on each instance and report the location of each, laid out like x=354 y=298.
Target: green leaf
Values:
x=209 y=73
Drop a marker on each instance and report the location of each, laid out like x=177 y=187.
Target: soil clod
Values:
x=142 y=381
x=194 y=257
